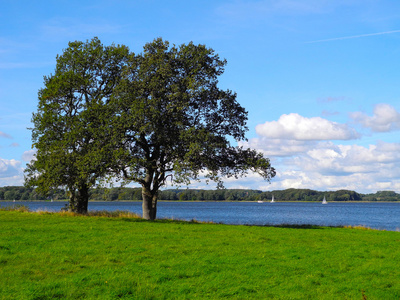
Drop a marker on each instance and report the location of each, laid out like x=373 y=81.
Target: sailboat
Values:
x=273 y=199
x=324 y=201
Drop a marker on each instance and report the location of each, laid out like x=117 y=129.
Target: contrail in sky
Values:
x=353 y=36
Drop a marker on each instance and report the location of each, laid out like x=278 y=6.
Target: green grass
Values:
x=50 y=256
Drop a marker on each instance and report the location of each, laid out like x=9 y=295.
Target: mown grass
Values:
x=64 y=256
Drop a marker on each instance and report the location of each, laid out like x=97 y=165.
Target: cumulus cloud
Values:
x=340 y=160
x=310 y=180
x=329 y=166
x=11 y=172
x=385 y=118
x=296 y=127
x=278 y=147
x=305 y=155
x=28 y=155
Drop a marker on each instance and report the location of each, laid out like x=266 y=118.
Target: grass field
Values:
x=50 y=256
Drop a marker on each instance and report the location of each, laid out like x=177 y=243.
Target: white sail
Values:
x=273 y=199
x=324 y=201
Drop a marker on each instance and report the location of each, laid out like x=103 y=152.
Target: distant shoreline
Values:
x=135 y=194
x=233 y=201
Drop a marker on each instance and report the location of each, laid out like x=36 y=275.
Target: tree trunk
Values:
x=78 y=199
x=82 y=199
x=149 y=204
x=72 y=200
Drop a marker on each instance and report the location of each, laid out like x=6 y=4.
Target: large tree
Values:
x=173 y=122
x=72 y=152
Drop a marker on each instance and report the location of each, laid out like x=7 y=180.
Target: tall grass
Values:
x=15 y=207
x=64 y=256
x=93 y=213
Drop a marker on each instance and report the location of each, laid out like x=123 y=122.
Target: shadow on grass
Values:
x=291 y=226
x=170 y=221
x=177 y=221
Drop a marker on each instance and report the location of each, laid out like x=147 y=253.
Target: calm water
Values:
x=374 y=215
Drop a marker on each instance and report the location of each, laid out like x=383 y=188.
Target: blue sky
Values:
x=319 y=78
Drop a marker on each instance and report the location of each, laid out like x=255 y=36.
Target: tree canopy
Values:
x=177 y=123
x=142 y=118
x=70 y=148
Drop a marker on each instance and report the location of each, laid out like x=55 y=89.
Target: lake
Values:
x=374 y=214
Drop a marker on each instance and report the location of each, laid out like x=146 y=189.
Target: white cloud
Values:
x=278 y=147
x=314 y=181
x=385 y=118
x=333 y=167
x=304 y=155
x=28 y=155
x=296 y=127
x=11 y=172
x=340 y=160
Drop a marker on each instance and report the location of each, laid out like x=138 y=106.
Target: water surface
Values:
x=374 y=215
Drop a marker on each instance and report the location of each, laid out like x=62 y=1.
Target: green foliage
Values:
x=210 y=195
x=125 y=193
x=382 y=196
x=25 y=193
x=311 y=195
x=175 y=122
x=57 y=256
x=109 y=113
x=71 y=111
x=117 y=193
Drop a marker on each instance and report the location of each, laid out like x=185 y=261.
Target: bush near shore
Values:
x=124 y=193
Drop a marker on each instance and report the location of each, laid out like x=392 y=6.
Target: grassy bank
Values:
x=48 y=256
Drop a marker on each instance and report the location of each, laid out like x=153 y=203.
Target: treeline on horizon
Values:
x=135 y=194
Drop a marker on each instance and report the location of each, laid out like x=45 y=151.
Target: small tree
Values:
x=172 y=121
x=71 y=151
